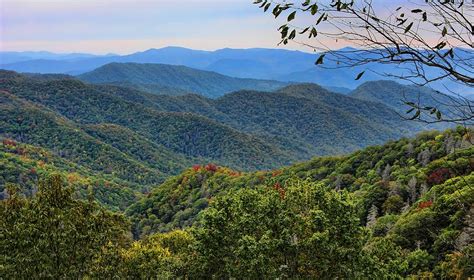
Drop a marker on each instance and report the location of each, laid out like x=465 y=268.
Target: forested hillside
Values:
x=142 y=138
x=402 y=210
x=333 y=140
x=398 y=97
x=156 y=77
x=184 y=133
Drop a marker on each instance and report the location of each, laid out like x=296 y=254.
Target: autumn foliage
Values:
x=278 y=187
x=425 y=204
x=211 y=167
x=9 y=142
x=276 y=173
x=439 y=176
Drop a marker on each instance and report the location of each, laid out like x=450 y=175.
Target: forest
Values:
x=396 y=211
x=273 y=139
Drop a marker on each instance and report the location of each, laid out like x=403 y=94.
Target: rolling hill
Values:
x=396 y=96
x=144 y=76
x=184 y=133
x=178 y=201
x=119 y=136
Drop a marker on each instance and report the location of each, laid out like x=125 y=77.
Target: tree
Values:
x=372 y=216
x=259 y=234
x=431 y=40
x=160 y=256
x=412 y=189
x=54 y=235
x=386 y=173
x=424 y=157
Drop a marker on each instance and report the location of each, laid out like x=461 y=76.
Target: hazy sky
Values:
x=125 y=26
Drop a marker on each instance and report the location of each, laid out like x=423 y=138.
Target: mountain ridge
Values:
x=207 y=83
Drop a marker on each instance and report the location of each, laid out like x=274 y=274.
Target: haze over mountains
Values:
x=268 y=64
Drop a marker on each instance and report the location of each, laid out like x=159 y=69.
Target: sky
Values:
x=124 y=26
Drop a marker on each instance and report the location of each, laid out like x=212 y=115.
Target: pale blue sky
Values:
x=125 y=26
x=121 y=26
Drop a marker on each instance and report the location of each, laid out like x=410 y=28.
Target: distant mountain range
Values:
x=15 y=57
x=163 y=78
x=241 y=63
x=268 y=64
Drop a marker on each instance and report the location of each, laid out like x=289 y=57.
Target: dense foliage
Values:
x=25 y=165
x=241 y=130
x=179 y=135
x=415 y=197
x=296 y=232
x=402 y=210
x=53 y=235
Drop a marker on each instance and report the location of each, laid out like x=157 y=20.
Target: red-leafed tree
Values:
x=211 y=167
x=439 y=176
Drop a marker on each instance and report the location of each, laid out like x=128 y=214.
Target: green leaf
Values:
x=276 y=11
x=292 y=35
x=313 y=33
x=408 y=27
x=320 y=59
x=438 y=115
x=444 y=32
x=292 y=16
x=320 y=19
x=284 y=32
x=425 y=16
x=359 y=75
x=417 y=11
x=417 y=114
x=267 y=7
x=314 y=9
x=440 y=45
x=304 y=30
x=450 y=52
